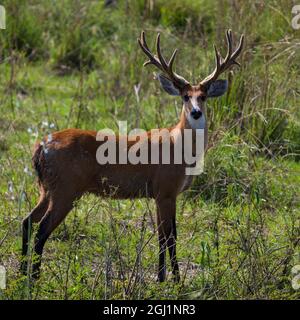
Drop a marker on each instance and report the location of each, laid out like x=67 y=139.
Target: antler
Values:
x=160 y=62
x=223 y=64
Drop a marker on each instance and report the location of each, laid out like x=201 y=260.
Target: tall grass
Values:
x=77 y=64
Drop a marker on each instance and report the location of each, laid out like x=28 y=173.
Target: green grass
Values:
x=75 y=64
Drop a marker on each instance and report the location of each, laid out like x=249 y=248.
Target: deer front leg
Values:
x=162 y=250
x=166 y=211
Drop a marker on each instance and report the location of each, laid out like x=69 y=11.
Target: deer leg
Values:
x=162 y=251
x=167 y=232
x=34 y=216
x=53 y=217
x=171 y=243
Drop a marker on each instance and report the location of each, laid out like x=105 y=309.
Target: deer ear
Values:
x=168 y=85
x=217 y=88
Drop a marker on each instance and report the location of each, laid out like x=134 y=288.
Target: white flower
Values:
x=27 y=171
x=45 y=124
x=10 y=187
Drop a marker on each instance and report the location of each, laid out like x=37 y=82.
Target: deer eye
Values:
x=186 y=98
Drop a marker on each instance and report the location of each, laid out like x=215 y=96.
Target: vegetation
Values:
x=76 y=63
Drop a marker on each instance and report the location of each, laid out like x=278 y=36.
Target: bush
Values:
x=194 y=15
x=24 y=32
x=234 y=175
x=89 y=28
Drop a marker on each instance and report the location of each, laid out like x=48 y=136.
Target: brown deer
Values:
x=67 y=168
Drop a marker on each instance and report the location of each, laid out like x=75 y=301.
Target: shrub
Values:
x=234 y=175
x=24 y=31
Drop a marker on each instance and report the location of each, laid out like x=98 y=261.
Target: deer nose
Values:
x=196 y=113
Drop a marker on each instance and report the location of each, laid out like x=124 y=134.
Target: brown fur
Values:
x=67 y=168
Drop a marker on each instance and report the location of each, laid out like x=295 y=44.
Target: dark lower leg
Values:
x=172 y=251
x=38 y=250
x=162 y=259
x=171 y=243
x=167 y=234
x=35 y=216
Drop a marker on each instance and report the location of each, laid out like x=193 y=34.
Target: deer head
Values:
x=193 y=96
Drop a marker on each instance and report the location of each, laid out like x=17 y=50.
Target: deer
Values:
x=67 y=168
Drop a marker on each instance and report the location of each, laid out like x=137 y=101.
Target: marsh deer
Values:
x=67 y=168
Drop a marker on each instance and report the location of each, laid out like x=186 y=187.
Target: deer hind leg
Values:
x=167 y=237
x=34 y=216
x=57 y=211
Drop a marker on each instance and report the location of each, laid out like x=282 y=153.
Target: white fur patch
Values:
x=194 y=103
x=199 y=123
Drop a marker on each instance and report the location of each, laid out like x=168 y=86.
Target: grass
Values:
x=75 y=64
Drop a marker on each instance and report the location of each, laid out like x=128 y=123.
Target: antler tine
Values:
x=172 y=59
x=229 y=44
x=239 y=48
x=160 y=56
x=143 y=41
x=168 y=67
x=216 y=70
x=217 y=59
x=152 y=60
x=223 y=64
x=160 y=62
